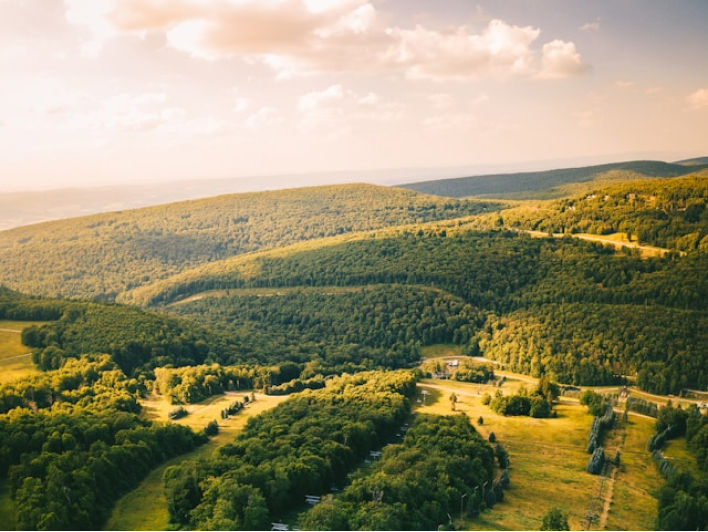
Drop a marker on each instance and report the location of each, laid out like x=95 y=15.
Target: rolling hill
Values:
x=670 y=213
x=482 y=279
x=553 y=183
x=102 y=255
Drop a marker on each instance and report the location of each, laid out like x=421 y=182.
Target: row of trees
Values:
x=683 y=500
x=441 y=469
x=303 y=446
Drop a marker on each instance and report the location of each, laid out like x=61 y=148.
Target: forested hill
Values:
x=103 y=255
x=489 y=291
x=553 y=183
x=670 y=213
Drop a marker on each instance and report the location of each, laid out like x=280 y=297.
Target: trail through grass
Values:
x=548 y=460
x=145 y=508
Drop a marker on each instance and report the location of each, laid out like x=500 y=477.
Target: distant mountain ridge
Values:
x=550 y=183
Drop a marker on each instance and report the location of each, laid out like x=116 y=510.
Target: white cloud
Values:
x=92 y=15
x=314 y=100
x=241 y=104
x=560 y=60
x=654 y=90
x=370 y=99
x=336 y=110
x=698 y=99
x=264 y=117
x=461 y=54
x=624 y=84
x=591 y=26
x=300 y=37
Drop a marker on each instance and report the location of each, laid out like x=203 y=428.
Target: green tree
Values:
x=555 y=519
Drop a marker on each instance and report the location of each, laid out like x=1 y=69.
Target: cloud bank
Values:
x=301 y=37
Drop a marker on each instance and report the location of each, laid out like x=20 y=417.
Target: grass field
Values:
x=548 y=460
x=680 y=456
x=637 y=481
x=145 y=508
x=441 y=351
x=15 y=361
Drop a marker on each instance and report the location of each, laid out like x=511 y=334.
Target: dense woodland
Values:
x=375 y=326
x=135 y=338
x=302 y=447
x=668 y=213
x=71 y=443
x=418 y=483
x=582 y=311
x=102 y=255
x=584 y=343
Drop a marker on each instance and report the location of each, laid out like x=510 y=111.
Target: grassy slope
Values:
x=634 y=503
x=14 y=363
x=106 y=254
x=549 y=183
x=548 y=462
x=145 y=508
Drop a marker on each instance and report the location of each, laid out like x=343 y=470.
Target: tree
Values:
x=555 y=519
x=453 y=401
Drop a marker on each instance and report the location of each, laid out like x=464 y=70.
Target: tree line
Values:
x=442 y=468
x=302 y=447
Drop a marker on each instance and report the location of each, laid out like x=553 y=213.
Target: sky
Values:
x=97 y=92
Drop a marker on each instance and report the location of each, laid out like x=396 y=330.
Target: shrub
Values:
x=177 y=413
x=555 y=519
x=212 y=428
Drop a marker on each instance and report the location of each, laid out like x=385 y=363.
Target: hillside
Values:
x=552 y=183
x=669 y=213
x=103 y=255
x=479 y=278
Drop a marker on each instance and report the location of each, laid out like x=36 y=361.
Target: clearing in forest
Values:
x=548 y=460
x=15 y=358
x=145 y=507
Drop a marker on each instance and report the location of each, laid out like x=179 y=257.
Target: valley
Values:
x=416 y=361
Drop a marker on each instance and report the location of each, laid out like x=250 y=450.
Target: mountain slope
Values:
x=550 y=183
x=494 y=275
x=669 y=213
x=105 y=254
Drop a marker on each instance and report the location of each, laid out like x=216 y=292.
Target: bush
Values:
x=555 y=519
x=594 y=401
x=177 y=413
x=212 y=428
